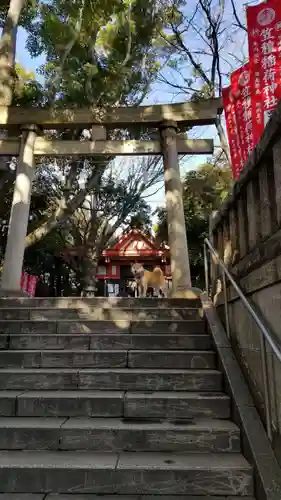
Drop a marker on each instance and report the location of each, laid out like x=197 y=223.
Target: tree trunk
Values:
x=8 y=52
x=223 y=140
x=8 y=44
x=64 y=211
x=87 y=272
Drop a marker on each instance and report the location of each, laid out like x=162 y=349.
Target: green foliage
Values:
x=28 y=91
x=29 y=12
x=204 y=190
x=113 y=205
x=141 y=220
x=98 y=52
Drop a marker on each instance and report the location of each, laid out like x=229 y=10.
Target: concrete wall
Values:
x=247 y=234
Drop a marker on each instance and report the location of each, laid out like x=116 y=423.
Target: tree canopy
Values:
x=96 y=52
x=109 y=53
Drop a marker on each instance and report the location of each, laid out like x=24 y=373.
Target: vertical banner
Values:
x=32 y=281
x=245 y=116
x=232 y=131
x=264 y=36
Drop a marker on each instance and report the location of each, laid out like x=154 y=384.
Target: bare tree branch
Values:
x=239 y=23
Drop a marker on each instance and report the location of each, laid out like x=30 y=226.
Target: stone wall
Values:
x=247 y=234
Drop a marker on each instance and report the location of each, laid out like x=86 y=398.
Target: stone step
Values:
x=171 y=359
x=72 y=341
x=63 y=358
x=107 y=359
x=98 y=313
x=57 y=496
x=62 y=403
x=108 y=326
x=155 y=406
x=120 y=497
x=105 y=302
x=111 y=435
x=110 y=379
x=176 y=406
x=12 y=496
x=125 y=473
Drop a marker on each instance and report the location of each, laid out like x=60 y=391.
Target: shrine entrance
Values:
x=171 y=121
x=114 y=274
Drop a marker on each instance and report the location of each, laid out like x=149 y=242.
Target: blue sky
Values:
x=23 y=56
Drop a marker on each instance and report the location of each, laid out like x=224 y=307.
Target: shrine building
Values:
x=114 y=270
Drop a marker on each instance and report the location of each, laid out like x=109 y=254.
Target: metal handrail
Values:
x=266 y=335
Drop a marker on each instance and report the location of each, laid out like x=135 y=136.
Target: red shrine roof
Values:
x=135 y=244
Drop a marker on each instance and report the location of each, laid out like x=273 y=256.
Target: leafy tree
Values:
x=141 y=221
x=204 y=190
x=27 y=91
x=12 y=14
x=118 y=203
x=99 y=53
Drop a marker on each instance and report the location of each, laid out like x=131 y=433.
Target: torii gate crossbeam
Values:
x=169 y=119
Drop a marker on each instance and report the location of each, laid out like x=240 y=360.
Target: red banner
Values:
x=245 y=114
x=264 y=35
x=28 y=283
x=232 y=131
x=32 y=285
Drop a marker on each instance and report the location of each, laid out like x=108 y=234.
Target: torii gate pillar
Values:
x=181 y=280
x=14 y=254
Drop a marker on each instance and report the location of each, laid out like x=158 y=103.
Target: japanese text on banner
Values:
x=264 y=35
x=232 y=131
x=241 y=91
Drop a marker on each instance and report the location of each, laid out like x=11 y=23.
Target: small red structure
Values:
x=114 y=268
x=135 y=246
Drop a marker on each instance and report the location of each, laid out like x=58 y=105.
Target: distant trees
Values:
x=204 y=190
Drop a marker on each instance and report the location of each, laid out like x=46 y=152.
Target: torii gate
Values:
x=29 y=122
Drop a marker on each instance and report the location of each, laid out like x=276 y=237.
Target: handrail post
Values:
x=206 y=268
x=226 y=312
x=264 y=365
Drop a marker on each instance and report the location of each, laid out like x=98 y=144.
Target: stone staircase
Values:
x=105 y=397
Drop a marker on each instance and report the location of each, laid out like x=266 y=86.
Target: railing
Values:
x=265 y=337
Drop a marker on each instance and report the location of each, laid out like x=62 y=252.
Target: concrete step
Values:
x=155 y=406
x=72 y=341
x=110 y=379
x=98 y=313
x=120 y=497
x=171 y=359
x=57 y=496
x=168 y=326
x=104 y=302
x=62 y=403
x=108 y=434
x=125 y=473
x=107 y=359
x=108 y=326
x=176 y=406
x=63 y=358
